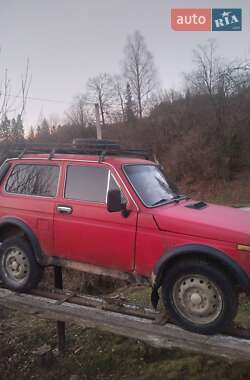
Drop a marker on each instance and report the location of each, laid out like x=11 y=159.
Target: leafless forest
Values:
x=199 y=132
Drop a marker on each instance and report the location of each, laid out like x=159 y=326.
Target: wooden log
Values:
x=168 y=336
x=104 y=303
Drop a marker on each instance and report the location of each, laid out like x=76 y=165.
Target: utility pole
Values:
x=98 y=124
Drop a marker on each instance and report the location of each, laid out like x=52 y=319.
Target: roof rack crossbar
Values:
x=22 y=153
x=99 y=148
x=52 y=154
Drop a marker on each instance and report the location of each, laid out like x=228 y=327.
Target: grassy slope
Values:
x=96 y=355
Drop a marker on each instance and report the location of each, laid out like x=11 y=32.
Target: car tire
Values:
x=19 y=269
x=199 y=296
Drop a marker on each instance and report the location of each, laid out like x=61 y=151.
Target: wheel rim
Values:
x=197 y=299
x=16 y=264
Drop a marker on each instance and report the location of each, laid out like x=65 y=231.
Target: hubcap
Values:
x=16 y=264
x=197 y=299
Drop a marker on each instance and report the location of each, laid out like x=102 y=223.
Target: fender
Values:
x=40 y=257
x=203 y=251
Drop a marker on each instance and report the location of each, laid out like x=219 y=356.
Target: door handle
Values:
x=63 y=209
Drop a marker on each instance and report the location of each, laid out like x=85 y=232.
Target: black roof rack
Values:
x=100 y=148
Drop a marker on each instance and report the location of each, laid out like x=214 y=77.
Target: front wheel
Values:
x=199 y=297
x=19 y=269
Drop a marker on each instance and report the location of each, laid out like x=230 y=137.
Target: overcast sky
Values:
x=68 y=41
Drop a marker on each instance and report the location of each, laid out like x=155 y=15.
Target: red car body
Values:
x=120 y=216
x=133 y=244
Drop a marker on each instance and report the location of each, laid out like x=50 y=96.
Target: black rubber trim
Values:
x=205 y=251
x=27 y=230
x=197 y=205
x=4 y=170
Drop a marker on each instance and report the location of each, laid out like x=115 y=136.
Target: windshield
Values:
x=150 y=184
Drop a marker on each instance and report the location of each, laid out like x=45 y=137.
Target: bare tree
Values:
x=129 y=106
x=80 y=112
x=25 y=87
x=10 y=103
x=219 y=82
x=13 y=106
x=31 y=135
x=4 y=95
x=205 y=76
x=100 y=90
x=119 y=93
x=217 y=79
x=139 y=70
x=213 y=76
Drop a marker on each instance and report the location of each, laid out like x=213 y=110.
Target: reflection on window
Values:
x=150 y=184
x=87 y=183
x=33 y=179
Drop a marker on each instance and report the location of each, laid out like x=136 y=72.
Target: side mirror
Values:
x=114 y=201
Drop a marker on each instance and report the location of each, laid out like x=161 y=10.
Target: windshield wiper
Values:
x=176 y=198
x=160 y=201
x=179 y=197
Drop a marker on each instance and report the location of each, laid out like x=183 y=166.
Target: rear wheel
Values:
x=19 y=269
x=199 y=297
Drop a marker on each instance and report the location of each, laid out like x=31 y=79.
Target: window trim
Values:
x=33 y=195
x=108 y=184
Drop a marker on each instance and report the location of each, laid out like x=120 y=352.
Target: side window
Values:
x=33 y=179
x=86 y=183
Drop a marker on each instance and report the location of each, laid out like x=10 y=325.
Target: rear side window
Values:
x=29 y=179
x=86 y=183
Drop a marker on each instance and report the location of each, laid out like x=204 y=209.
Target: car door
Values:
x=29 y=195
x=84 y=230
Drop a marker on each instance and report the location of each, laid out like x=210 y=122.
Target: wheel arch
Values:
x=196 y=251
x=10 y=227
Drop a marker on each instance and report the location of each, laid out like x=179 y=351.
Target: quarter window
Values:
x=86 y=183
x=113 y=186
x=33 y=179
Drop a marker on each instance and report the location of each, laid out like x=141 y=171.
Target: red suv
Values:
x=105 y=211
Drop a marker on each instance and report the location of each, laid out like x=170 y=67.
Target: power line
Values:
x=47 y=100
x=39 y=99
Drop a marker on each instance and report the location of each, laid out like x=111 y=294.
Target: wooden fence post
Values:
x=60 y=325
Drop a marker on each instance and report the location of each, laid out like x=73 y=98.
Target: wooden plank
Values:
x=168 y=336
x=105 y=303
